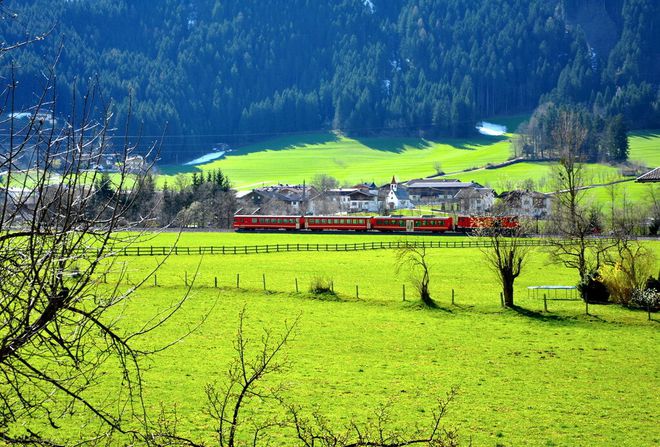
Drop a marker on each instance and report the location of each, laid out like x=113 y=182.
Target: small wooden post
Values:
x=502 y=299
x=357 y=292
x=545 y=302
x=586 y=306
x=404 y=292
x=185 y=278
x=105 y=278
x=215 y=282
x=155 y=280
x=332 y=286
x=263 y=276
x=452 y=297
x=296 y=285
x=238 y=280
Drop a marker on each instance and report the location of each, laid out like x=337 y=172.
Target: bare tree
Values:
x=505 y=252
x=412 y=257
x=59 y=324
x=241 y=407
x=631 y=262
x=231 y=407
x=572 y=221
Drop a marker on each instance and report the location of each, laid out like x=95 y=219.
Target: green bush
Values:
x=594 y=290
x=322 y=286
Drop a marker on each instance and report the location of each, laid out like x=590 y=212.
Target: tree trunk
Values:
x=507 y=289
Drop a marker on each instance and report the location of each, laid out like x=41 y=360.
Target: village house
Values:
x=280 y=199
x=395 y=196
x=354 y=199
x=525 y=203
x=474 y=201
x=440 y=192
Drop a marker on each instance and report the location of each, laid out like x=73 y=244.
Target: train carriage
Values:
x=470 y=224
x=337 y=223
x=430 y=224
x=412 y=224
x=254 y=222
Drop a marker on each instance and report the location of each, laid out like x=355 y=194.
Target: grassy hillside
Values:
x=298 y=158
x=525 y=378
x=645 y=147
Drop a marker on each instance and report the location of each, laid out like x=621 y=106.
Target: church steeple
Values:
x=393 y=184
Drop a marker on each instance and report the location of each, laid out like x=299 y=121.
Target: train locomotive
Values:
x=424 y=224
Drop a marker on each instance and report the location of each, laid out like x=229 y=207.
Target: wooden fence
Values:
x=285 y=248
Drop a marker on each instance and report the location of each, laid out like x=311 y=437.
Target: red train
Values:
x=462 y=224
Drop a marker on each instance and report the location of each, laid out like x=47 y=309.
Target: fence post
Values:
x=155 y=280
x=586 y=306
x=238 y=280
x=296 y=285
x=452 y=297
x=404 y=292
x=357 y=292
x=545 y=302
x=502 y=299
x=185 y=278
x=332 y=286
x=215 y=282
x=263 y=275
x=105 y=278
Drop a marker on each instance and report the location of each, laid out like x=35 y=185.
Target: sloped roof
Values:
x=651 y=176
x=520 y=193
x=437 y=184
x=474 y=192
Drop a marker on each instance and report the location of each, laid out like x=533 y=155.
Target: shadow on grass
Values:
x=177 y=169
x=646 y=134
x=541 y=316
x=399 y=144
x=287 y=142
x=394 y=144
x=432 y=306
x=475 y=143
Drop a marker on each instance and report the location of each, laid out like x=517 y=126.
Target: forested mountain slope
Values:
x=222 y=70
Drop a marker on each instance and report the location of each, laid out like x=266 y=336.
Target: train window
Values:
x=254 y=220
x=402 y=223
x=418 y=223
x=324 y=221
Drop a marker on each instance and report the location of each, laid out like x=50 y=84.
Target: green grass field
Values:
x=526 y=378
x=645 y=147
x=299 y=158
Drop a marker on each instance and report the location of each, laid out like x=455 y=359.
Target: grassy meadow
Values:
x=298 y=158
x=645 y=147
x=526 y=377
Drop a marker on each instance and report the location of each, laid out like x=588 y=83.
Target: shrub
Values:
x=648 y=299
x=617 y=284
x=594 y=290
x=322 y=286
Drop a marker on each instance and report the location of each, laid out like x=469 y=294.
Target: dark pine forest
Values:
x=213 y=71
